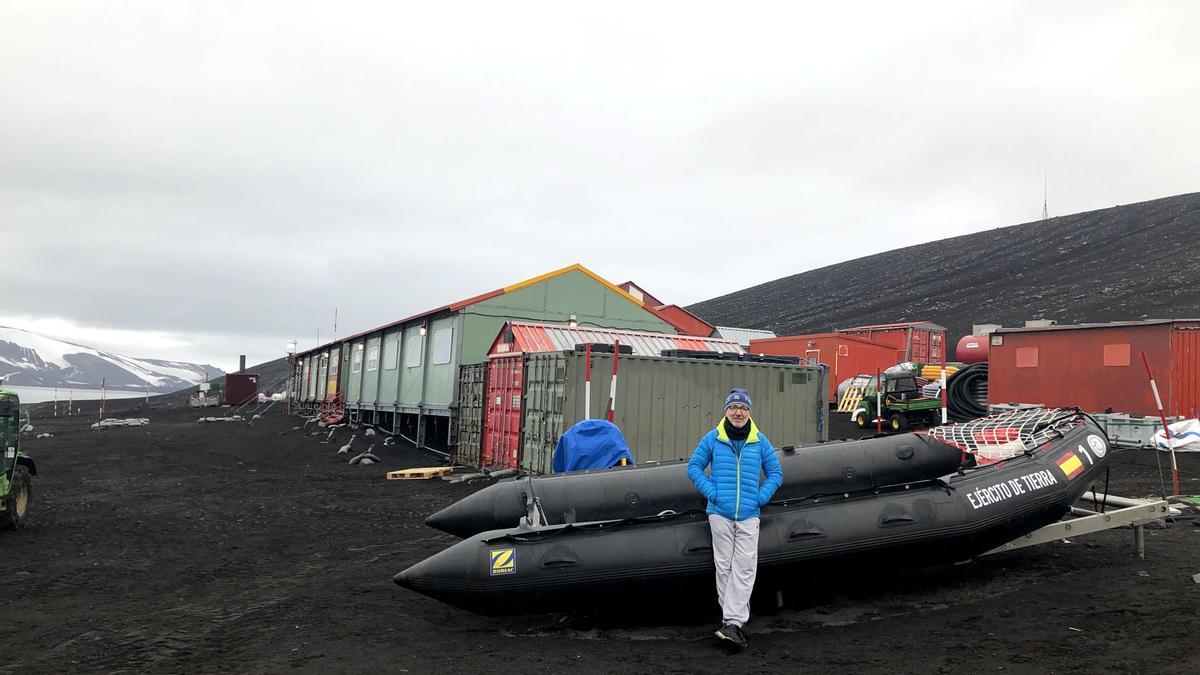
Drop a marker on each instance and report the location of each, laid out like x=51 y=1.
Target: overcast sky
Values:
x=196 y=180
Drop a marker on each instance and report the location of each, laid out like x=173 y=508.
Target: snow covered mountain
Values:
x=35 y=360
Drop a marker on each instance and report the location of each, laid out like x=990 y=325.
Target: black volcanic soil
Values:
x=251 y=548
x=1119 y=264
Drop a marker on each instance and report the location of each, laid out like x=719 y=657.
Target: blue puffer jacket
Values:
x=733 y=490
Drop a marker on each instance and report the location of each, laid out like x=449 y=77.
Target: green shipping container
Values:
x=469 y=419
x=664 y=405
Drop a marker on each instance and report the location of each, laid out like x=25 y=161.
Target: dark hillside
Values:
x=272 y=378
x=1128 y=262
x=272 y=375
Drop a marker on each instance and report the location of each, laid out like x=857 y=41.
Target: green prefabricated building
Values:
x=323 y=375
x=300 y=379
x=404 y=376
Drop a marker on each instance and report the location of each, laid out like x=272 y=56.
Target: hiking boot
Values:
x=740 y=640
x=732 y=634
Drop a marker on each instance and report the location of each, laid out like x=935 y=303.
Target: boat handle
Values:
x=559 y=562
x=890 y=520
x=801 y=534
x=699 y=549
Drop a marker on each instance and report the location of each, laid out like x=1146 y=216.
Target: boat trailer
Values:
x=1135 y=513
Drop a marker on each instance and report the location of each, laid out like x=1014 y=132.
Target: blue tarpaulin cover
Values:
x=591 y=444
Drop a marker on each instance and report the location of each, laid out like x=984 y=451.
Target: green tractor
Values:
x=901 y=403
x=16 y=469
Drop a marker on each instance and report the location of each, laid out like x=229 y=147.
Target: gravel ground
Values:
x=251 y=547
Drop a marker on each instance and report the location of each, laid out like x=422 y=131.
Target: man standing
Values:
x=737 y=453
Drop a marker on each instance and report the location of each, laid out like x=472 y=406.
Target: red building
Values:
x=680 y=319
x=641 y=294
x=919 y=341
x=240 y=388
x=683 y=321
x=846 y=355
x=1099 y=366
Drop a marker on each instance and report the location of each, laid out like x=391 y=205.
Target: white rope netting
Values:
x=1009 y=434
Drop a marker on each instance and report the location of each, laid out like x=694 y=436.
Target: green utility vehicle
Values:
x=16 y=469
x=901 y=403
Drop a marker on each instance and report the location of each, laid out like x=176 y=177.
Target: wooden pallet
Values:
x=851 y=399
x=414 y=474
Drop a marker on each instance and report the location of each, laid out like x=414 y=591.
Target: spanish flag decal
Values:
x=503 y=561
x=1070 y=464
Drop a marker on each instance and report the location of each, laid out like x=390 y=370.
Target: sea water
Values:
x=42 y=394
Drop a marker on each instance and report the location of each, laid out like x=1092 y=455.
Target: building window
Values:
x=356 y=359
x=391 y=354
x=372 y=358
x=443 y=345
x=1027 y=357
x=1116 y=354
x=413 y=347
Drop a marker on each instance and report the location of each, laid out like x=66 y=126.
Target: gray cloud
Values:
x=231 y=172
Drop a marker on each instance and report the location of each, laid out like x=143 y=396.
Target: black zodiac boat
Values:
x=635 y=492
x=1049 y=464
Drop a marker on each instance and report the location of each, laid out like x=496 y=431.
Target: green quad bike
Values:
x=902 y=405
x=16 y=470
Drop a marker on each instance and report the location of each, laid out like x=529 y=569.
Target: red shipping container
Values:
x=919 y=341
x=1098 y=366
x=240 y=388
x=1183 y=387
x=846 y=355
x=502 y=411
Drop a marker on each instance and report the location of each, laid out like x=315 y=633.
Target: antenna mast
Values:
x=1045 y=211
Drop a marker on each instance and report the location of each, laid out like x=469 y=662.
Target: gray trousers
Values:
x=735 y=555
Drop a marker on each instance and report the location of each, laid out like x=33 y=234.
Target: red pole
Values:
x=612 y=387
x=1166 y=429
x=587 y=381
x=878 y=399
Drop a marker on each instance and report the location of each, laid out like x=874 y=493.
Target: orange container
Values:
x=845 y=355
x=919 y=341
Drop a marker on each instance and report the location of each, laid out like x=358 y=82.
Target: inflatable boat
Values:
x=1045 y=467
x=648 y=490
